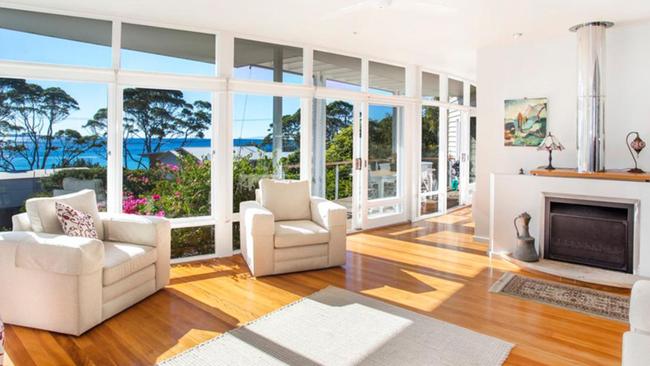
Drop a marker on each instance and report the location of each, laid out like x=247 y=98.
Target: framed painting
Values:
x=525 y=121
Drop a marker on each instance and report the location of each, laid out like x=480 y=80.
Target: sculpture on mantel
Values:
x=525 y=249
x=637 y=145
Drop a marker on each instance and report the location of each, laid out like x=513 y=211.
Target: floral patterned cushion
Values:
x=75 y=222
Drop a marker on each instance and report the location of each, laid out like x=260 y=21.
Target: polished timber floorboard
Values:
x=433 y=267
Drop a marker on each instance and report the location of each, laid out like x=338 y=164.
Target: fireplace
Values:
x=593 y=233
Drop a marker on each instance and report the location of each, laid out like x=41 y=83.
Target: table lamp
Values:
x=550 y=143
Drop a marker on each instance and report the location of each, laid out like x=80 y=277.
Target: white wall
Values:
x=548 y=69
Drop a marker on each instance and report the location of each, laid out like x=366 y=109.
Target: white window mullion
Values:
x=222 y=179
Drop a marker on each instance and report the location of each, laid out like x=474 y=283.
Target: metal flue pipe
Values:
x=591 y=95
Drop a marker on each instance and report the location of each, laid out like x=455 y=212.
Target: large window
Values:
x=333 y=147
x=337 y=71
x=430 y=86
x=266 y=141
x=166 y=155
x=166 y=50
x=455 y=88
x=267 y=62
x=52 y=141
x=472 y=96
x=386 y=79
x=54 y=39
x=429 y=164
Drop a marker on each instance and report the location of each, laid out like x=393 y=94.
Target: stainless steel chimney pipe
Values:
x=591 y=95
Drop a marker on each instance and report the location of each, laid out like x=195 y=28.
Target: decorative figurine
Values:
x=550 y=143
x=525 y=249
x=637 y=145
x=521 y=171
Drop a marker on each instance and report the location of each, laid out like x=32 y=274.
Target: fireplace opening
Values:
x=592 y=233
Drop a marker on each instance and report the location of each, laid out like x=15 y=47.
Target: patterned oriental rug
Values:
x=576 y=298
x=338 y=327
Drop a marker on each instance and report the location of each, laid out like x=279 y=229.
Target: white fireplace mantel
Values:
x=512 y=194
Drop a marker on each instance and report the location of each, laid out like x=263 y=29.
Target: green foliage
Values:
x=430 y=128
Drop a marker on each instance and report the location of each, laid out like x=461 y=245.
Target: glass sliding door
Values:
x=383 y=162
x=429 y=161
x=454 y=121
x=333 y=149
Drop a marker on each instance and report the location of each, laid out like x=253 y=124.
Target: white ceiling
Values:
x=440 y=34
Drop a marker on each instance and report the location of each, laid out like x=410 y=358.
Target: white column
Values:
x=319 y=130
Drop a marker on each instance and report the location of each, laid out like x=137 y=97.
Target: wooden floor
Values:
x=433 y=267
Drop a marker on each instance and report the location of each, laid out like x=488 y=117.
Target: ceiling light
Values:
x=517 y=35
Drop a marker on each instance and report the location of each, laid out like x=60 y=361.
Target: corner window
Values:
x=430 y=86
x=455 y=88
x=267 y=62
x=386 y=79
x=337 y=71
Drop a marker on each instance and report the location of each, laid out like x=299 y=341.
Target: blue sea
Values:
x=135 y=146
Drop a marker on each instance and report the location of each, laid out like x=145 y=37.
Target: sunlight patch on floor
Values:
x=188 y=340
x=406 y=231
x=447 y=219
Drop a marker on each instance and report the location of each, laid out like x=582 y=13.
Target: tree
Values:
x=430 y=129
x=338 y=115
x=28 y=115
x=153 y=115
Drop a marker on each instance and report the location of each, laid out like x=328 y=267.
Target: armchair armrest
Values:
x=54 y=253
x=20 y=222
x=143 y=230
x=327 y=213
x=640 y=307
x=257 y=230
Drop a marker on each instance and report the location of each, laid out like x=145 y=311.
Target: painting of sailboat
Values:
x=525 y=121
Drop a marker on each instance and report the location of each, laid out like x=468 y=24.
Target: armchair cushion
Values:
x=286 y=199
x=42 y=211
x=123 y=259
x=75 y=222
x=299 y=233
x=56 y=253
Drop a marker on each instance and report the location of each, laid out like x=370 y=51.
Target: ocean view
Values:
x=97 y=156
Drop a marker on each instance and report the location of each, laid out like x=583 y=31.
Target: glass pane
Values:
x=430 y=149
x=166 y=147
x=386 y=79
x=429 y=204
x=337 y=71
x=375 y=212
x=472 y=149
x=236 y=239
x=453 y=158
x=455 y=88
x=191 y=241
x=266 y=140
x=333 y=147
x=383 y=127
x=430 y=86
x=472 y=95
x=52 y=141
x=54 y=39
x=166 y=50
x=267 y=62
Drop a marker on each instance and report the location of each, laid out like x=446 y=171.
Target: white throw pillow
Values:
x=286 y=199
x=42 y=211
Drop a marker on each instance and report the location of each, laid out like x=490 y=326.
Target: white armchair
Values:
x=286 y=230
x=70 y=284
x=636 y=342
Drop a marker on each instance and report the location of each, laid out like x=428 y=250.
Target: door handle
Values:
x=357 y=164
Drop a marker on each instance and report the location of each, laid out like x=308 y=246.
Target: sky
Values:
x=252 y=113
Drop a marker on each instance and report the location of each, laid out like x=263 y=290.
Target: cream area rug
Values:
x=338 y=327
x=576 y=298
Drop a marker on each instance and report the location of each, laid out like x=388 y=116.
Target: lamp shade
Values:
x=550 y=143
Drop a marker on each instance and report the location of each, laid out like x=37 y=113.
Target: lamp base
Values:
x=636 y=171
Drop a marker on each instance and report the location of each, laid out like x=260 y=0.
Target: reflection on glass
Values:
x=54 y=39
x=333 y=144
x=266 y=140
x=386 y=79
x=455 y=88
x=429 y=204
x=337 y=71
x=166 y=149
x=472 y=149
x=52 y=141
x=430 y=86
x=472 y=95
x=267 y=62
x=146 y=48
x=383 y=126
x=191 y=241
x=453 y=158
